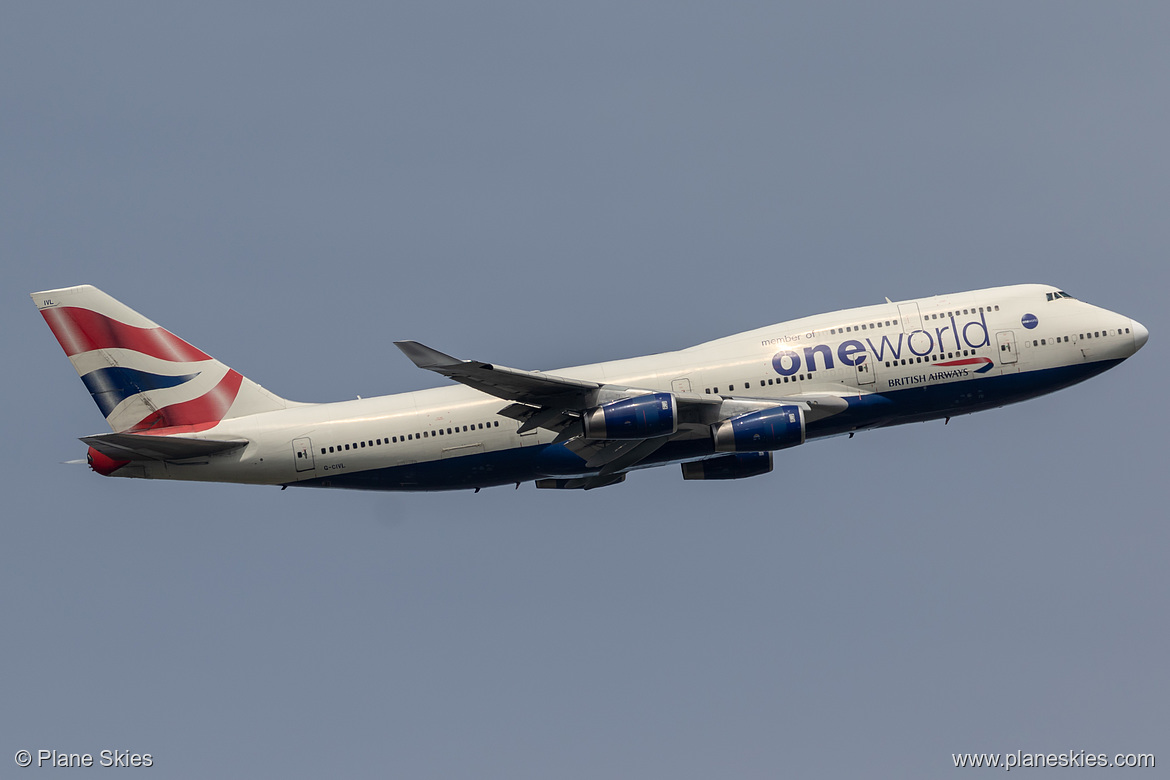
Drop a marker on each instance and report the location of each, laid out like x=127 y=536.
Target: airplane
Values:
x=719 y=409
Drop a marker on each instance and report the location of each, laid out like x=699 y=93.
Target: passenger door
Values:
x=865 y=368
x=1007 y=346
x=303 y=454
x=911 y=318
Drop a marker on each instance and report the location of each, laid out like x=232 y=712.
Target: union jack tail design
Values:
x=142 y=376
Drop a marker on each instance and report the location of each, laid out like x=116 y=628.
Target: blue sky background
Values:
x=293 y=187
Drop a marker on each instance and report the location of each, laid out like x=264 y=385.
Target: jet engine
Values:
x=768 y=429
x=735 y=466
x=642 y=417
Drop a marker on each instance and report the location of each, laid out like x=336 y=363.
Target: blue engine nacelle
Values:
x=633 y=418
x=769 y=429
x=735 y=466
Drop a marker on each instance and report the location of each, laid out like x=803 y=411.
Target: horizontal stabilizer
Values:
x=137 y=446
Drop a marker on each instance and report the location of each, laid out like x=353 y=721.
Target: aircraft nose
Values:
x=1140 y=334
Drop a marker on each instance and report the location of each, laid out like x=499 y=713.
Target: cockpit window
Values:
x=1052 y=296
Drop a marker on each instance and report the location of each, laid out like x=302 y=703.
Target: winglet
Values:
x=425 y=357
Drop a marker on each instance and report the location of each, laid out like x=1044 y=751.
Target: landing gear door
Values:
x=865 y=368
x=303 y=454
x=1007 y=346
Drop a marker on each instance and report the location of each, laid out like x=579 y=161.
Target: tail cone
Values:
x=103 y=464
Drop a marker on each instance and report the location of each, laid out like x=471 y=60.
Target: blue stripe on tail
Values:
x=111 y=386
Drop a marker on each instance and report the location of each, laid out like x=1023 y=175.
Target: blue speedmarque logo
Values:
x=1029 y=321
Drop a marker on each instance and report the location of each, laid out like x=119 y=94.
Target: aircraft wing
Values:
x=556 y=403
x=152 y=447
x=512 y=384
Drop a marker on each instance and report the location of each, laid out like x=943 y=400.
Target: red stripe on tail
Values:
x=200 y=413
x=83 y=330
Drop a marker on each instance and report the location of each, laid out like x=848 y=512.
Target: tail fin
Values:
x=144 y=377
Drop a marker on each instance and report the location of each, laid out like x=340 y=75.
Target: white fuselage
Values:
x=893 y=363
